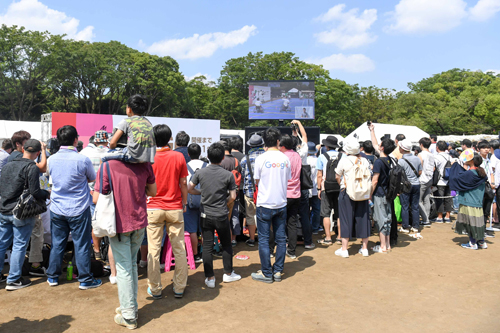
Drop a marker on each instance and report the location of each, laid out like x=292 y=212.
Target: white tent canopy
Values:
x=8 y=127
x=324 y=136
x=413 y=133
x=293 y=90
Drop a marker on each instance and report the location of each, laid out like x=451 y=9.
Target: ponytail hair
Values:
x=478 y=160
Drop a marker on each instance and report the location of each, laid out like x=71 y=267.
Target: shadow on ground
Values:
x=20 y=325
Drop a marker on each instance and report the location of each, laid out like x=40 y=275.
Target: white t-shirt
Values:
x=303 y=151
x=432 y=149
x=345 y=164
x=487 y=165
x=273 y=169
x=441 y=160
x=312 y=160
x=495 y=165
x=427 y=166
x=195 y=165
x=286 y=102
x=258 y=103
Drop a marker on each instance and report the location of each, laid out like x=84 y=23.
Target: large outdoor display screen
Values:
x=281 y=100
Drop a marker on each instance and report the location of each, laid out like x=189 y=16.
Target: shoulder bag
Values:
x=104 y=219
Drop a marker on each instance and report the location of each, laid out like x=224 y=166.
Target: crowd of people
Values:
x=278 y=194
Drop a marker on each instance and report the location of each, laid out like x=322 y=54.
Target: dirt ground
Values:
x=428 y=285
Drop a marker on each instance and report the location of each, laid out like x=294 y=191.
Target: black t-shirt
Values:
x=238 y=155
x=381 y=166
x=215 y=182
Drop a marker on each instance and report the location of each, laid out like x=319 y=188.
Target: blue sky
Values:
x=383 y=43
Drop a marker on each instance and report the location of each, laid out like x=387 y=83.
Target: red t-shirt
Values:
x=169 y=168
x=129 y=190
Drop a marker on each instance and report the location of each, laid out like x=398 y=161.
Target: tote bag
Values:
x=104 y=219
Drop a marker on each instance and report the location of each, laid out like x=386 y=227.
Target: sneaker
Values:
x=90 y=285
x=233 y=243
x=482 y=245
x=343 y=254
x=259 y=276
x=309 y=246
x=231 y=278
x=198 y=259
x=39 y=271
x=19 y=284
x=210 y=283
x=118 y=310
x=469 y=246
x=3 y=278
x=404 y=231
x=143 y=264
x=150 y=293
x=425 y=224
x=364 y=252
x=321 y=229
x=178 y=295
x=414 y=230
x=217 y=254
x=53 y=282
x=130 y=324
x=250 y=242
x=315 y=232
x=112 y=279
x=438 y=221
x=291 y=256
x=447 y=220
x=277 y=277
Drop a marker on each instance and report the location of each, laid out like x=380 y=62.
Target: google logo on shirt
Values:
x=276 y=165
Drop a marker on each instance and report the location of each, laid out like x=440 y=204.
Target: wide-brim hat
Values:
x=255 y=141
x=351 y=146
x=330 y=141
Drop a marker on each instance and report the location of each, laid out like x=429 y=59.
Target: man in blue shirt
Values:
x=70 y=174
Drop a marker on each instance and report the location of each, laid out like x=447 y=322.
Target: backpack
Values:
x=236 y=174
x=435 y=175
x=331 y=184
x=359 y=181
x=193 y=200
x=447 y=170
x=398 y=182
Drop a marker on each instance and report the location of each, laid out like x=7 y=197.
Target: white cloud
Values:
x=350 y=28
x=202 y=46
x=495 y=71
x=208 y=77
x=484 y=10
x=424 y=16
x=354 y=63
x=34 y=15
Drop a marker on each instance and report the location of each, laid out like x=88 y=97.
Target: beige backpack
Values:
x=359 y=183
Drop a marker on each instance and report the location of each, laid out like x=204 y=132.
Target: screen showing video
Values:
x=281 y=100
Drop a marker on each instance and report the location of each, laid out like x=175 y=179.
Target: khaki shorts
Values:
x=250 y=210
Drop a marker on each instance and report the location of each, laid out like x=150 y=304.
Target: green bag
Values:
x=397 y=209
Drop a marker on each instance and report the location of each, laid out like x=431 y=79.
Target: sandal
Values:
x=417 y=235
x=378 y=249
x=325 y=241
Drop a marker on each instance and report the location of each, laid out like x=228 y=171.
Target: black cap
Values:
x=330 y=141
x=32 y=146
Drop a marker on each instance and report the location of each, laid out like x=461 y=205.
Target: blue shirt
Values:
x=184 y=151
x=70 y=173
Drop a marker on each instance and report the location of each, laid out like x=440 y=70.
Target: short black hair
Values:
x=92 y=139
x=474 y=144
x=467 y=143
x=138 y=103
x=225 y=144
x=495 y=144
x=182 y=139
x=67 y=135
x=483 y=144
x=7 y=144
x=215 y=153
x=433 y=137
x=441 y=145
x=162 y=133
x=194 y=151
x=368 y=147
x=389 y=146
x=400 y=137
x=425 y=142
x=271 y=137
x=236 y=143
x=287 y=142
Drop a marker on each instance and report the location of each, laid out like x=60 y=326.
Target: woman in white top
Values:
x=484 y=148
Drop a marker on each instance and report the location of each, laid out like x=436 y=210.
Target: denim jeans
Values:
x=315 y=205
x=409 y=202
x=304 y=213
x=18 y=233
x=81 y=232
x=125 y=253
x=275 y=218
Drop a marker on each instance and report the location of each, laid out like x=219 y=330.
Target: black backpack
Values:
x=331 y=184
x=398 y=181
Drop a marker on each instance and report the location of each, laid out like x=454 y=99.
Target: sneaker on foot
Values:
x=233 y=243
x=404 y=231
x=231 y=278
x=309 y=246
x=414 y=230
x=198 y=259
x=118 y=310
x=315 y=232
x=259 y=276
x=130 y=324
x=291 y=256
x=425 y=224
x=210 y=283
x=438 y=221
x=112 y=279
x=143 y=263
x=321 y=229
x=156 y=296
x=343 y=254
x=53 y=282
x=178 y=295
x=19 y=284
x=3 y=278
x=277 y=277
x=38 y=271
x=482 y=245
x=250 y=242
x=447 y=220
x=364 y=252
x=90 y=285
x=469 y=246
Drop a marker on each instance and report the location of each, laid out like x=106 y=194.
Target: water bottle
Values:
x=69 y=271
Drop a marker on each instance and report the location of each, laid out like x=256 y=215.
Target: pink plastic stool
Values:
x=169 y=256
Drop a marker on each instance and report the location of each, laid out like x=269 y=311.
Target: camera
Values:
x=368 y=123
x=294 y=127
